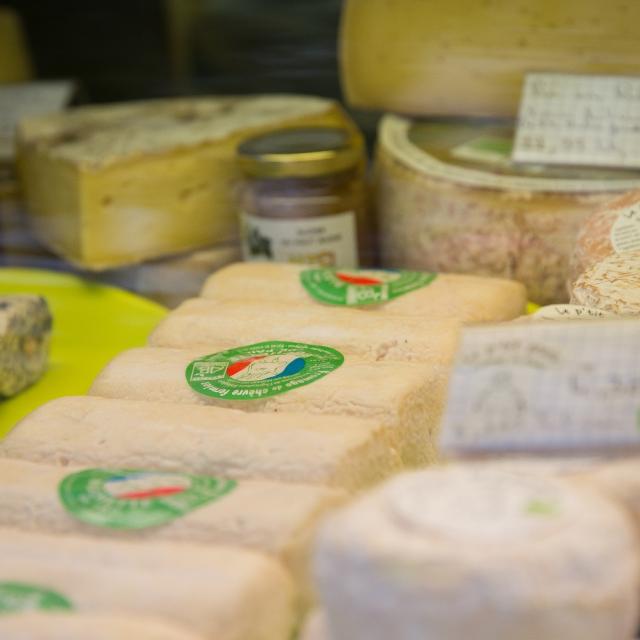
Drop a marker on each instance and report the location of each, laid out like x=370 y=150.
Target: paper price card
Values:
x=579 y=120
x=545 y=387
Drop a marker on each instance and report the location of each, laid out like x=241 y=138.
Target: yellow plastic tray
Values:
x=91 y=324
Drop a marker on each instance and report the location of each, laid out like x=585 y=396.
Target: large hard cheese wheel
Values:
x=200 y=322
x=117 y=184
x=445 y=297
x=343 y=451
x=479 y=553
x=449 y=199
x=209 y=589
x=406 y=397
x=141 y=504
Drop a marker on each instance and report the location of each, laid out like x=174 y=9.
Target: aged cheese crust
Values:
x=25 y=331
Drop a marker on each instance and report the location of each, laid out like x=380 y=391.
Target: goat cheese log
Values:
x=447 y=296
x=47 y=625
x=220 y=592
x=471 y=552
x=275 y=518
x=405 y=397
x=342 y=452
x=200 y=322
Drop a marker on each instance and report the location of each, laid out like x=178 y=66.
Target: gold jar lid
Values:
x=300 y=152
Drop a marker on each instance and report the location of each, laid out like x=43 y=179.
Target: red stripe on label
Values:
x=241 y=364
x=151 y=493
x=361 y=280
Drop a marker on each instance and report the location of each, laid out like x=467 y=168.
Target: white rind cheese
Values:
x=343 y=452
x=405 y=397
x=208 y=589
x=479 y=553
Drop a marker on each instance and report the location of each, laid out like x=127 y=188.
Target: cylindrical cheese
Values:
x=209 y=589
x=200 y=322
x=463 y=298
x=479 y=553
x=342 y=451
x=448 y=201
x=405 y=397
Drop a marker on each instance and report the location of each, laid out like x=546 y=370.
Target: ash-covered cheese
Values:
x=479 y=552
x=25 y=331
x=113 y=185
x=445 y=204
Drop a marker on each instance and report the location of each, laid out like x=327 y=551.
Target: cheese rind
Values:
x=406 y=397
x=208 y=589
x=343 y=452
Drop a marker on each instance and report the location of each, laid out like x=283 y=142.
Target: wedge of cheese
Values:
x=343 y=452
x=200 y=322
x=42 y=625
x=112 y=185
x=208 y=589
x=479 y=553
x=464 y=298
x=275 y=518
x=406 y=397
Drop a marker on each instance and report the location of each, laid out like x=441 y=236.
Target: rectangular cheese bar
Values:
x=220 y=592
x=272 y=517
x=58 y=624
x=449 y=296
x=200 y=322
x=344 y=452
x=111 y=185
x=405 y=397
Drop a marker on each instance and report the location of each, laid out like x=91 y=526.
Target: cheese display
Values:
x=405 y=397
x=426 y=296
x=42 y=625
x=446 y=58
x=469 y=552
x=25 y=333
x=338 y=451
x=449 y=199
x=138 y=504
x=114 y=185
x=208 y=589
x=201 y=322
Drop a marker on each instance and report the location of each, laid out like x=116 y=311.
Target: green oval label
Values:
x=359 y=287
x=261 y=370
x=19 y=596
x=136 y=499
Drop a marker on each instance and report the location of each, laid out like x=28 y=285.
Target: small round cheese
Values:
x=479 y=552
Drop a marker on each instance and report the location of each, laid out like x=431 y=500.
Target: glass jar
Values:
x=303 y=197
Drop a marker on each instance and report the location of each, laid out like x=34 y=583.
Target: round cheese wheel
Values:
x=479 y=552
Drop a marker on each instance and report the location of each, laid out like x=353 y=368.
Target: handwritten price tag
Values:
x=579 y=120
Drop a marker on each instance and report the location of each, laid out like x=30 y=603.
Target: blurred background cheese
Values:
x=208 y=589
x=112 y=185
x=468 y=58
x=449 y=199
x=337 y=451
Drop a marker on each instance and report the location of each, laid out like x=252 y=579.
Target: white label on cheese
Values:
x=569 y=312
x=556 y=386
x=325 y=240
x=625 y=232
x=579 y=120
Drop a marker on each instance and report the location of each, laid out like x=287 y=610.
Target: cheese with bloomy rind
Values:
x=200 y=322
x=343 y=452
x=112 y=185
x=479 y=552
x=272 y=517
x=205 y=588
x=406 y=397
x=33 y=625
x=25 y=333
x=447 y=297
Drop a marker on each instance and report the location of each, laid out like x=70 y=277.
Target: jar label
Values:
x=136 y=499
x=360 y=286
x=325 y=240
x=261 y=370
x=19 y=596
x=625 y=232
